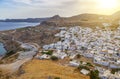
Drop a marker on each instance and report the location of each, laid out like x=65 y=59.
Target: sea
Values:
x=2 y=49
x=15 y=25
x=12 y=25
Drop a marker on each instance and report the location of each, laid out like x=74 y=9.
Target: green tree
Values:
x=94 y=74
x=54 y=58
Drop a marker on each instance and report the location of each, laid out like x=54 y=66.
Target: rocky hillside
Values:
x=82 y=20
x=89 y=20
x=116 y=17
x=40 y=34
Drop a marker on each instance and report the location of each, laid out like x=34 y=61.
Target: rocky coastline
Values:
x=38 y=34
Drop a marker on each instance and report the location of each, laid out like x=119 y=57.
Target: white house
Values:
x=74 y=63
x=60 y=54
x=99 y=60
x=85 y=72
x=44 y=56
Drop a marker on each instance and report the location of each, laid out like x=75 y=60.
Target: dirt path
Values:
x=22 y=58
x=13 y=67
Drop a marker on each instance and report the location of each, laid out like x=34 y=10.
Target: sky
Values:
x=47 y=8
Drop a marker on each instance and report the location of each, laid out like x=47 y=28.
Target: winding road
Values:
x=23 y=57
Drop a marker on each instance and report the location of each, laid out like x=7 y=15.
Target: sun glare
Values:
x=108 y=4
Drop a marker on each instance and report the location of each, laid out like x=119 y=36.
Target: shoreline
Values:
x=38 y=33
x=16 y=25
x=3 y=46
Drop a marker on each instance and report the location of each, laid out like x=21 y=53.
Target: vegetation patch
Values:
x=9 y=53
x=115 y=70
x=57 y=78
x=83 y=67
x=49 y=52
x=94 y=74
x=54 y=58
x=89 y=64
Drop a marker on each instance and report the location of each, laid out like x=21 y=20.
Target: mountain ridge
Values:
x=85 y=19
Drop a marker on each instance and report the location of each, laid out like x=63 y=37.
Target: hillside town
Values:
x=100 y=45
x=88 y=50
x=60 y=39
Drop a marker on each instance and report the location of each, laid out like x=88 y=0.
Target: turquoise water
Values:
x=15 y=25
x=2 y=49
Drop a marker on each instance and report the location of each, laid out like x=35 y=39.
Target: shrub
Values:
x=78 y=55
x=89 y=64
x=57 y=78
x=81 y=62
x=94 y=74
x=9 y=53
x=54 y=58
x=83 y=48
x=83 y=67
x=50 y=52
x=115 y=70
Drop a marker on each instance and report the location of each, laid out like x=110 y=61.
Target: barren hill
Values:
x=46 y=69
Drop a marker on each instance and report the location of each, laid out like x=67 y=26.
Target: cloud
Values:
x=41 y=8
x=23 y=1
x=43 y=2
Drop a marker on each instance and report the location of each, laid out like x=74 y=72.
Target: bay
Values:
x=14 y=25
